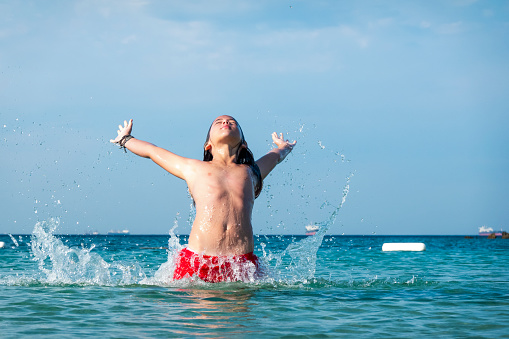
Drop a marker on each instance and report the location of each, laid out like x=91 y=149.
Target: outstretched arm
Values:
x=176 y=165
x=275 y=155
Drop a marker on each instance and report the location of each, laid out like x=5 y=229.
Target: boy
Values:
x=223 y=186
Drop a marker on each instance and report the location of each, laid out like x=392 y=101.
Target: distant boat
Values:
x=487 y=231
x=312 y=229
x=116 y=232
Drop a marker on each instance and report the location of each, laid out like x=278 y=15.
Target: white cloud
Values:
x=313 y=50
x=190 y=46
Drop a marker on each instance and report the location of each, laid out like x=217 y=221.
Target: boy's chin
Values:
x=228 y=138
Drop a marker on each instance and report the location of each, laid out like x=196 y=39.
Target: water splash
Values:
x=14 y=240
x=297 y=263
x=164 y=275
x=61 y=264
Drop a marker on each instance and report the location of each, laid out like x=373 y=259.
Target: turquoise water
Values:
x=336 y=286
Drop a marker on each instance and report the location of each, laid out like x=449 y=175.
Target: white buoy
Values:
x=404 y=246
x=2 y=244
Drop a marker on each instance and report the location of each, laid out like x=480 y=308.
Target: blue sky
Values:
x=407 y=99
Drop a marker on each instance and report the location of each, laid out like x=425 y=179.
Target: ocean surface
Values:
x=320 y=286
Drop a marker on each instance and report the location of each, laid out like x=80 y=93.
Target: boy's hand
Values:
x=284 y=146
x=123 y=131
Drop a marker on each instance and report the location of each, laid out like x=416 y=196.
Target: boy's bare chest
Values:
x=233 y=181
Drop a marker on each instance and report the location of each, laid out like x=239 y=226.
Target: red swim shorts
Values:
x=216 y=268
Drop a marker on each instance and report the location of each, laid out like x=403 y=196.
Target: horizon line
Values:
x=304 y=235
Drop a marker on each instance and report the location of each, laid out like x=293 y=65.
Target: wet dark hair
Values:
x=244 y=157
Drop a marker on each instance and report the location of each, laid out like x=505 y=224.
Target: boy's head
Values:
x=224 y=129
x=227 y=130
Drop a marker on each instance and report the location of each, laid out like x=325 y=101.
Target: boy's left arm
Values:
x=276 y=155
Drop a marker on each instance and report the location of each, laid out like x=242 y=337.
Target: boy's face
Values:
x=224 y=129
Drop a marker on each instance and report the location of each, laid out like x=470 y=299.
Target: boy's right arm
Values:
x=175 y=164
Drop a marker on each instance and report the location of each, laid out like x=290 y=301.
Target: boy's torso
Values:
x=224 y=197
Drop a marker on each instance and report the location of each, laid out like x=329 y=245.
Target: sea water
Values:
x=321 y=286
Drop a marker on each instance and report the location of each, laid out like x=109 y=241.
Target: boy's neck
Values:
x=224 y=154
